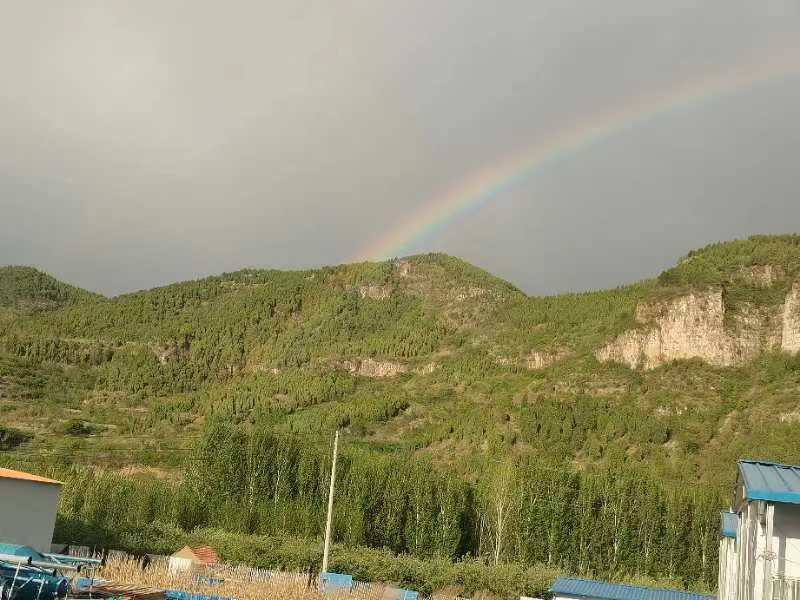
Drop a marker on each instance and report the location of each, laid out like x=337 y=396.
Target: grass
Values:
x=238 y=582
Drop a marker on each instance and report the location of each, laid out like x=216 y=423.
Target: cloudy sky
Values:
x=144 y=142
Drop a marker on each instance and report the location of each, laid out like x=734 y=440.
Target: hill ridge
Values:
x=397 y=349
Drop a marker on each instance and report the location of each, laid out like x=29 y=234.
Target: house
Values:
x=759 y=548
x=585 y=589
x=28 y=505
x=193 y=559
x=760 y=536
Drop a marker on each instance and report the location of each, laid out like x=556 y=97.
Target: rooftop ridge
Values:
x=768 y=463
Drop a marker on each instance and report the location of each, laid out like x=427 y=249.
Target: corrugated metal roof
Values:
x=12 y=474
x=586 y=588
x=770 y=481
x=729 y=524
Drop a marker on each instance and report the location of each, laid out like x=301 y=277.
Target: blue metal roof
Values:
x=729 y=524
x=770 y=481
x=586 y=588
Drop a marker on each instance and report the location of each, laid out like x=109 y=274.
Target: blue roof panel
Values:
x=729 y=524
x=600 y=590
x=770 y=481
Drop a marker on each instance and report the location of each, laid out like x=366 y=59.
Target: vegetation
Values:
x=30 y=290
x=11 y=438
x=218 y=398
x=471 y=575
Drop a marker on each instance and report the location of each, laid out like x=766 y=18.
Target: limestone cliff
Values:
x=375 y=291
x=698 y=325
x=790 y=338
x=375 y=369
x=541 y=360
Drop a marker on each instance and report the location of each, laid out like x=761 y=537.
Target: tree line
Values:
x=252 y=481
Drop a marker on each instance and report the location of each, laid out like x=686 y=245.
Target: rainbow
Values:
x=481 y=186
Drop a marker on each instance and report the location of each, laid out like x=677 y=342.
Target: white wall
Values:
x=28 y=512
x=767 y=546
x=786 y=540
x=177 y=564
x=728 y=565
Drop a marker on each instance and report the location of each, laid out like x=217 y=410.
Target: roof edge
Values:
x=626 y=585
x=23 y=476
x=768 y=463
x=767 y=495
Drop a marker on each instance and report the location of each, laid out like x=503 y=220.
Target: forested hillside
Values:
x=26 y=289
x=452 y=388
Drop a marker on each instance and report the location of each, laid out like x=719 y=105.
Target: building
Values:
x=729 y=523
x=193 y=559
x=760 y=537
x=759 y=548
x=585 y=589
x=28 y=506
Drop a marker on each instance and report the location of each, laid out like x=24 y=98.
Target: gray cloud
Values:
x=144 y=142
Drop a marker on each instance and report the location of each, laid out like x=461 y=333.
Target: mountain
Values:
x=591 y=433
x=684 y=372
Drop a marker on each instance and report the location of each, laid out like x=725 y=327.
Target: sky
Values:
x=152 y=141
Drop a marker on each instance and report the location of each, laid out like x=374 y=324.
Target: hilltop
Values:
x=29 y=290
x=432 y=353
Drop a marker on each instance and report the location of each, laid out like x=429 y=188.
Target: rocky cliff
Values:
x=790 y=335
x=700 y=325
x=375 y=369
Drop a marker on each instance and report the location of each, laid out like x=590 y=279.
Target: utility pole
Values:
x=327 y=549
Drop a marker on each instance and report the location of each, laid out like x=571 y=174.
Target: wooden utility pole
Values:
x=327 y=550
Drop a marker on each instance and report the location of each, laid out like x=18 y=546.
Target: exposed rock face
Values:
x=375 y=369
x=404 y=268
x=427 y=369
x=691 y=326
x=375 y=291
x=790 y=338
x=170 y=351
x=762 y=276
x=541 y=360
x=696 y=326
x=793 y=417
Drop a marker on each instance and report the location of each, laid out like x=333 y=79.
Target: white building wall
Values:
x=728 y=565
x=179 y=564
x=767 y=548
x=786 y=540
x=28 y=512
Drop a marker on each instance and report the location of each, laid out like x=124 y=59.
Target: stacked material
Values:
x=126 y=592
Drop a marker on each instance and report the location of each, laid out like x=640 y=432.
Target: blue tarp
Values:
x=29 y=580
x=336 y=582
x=400 y=594
x=176 y=595
x=81 y=583
x=17 y=550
